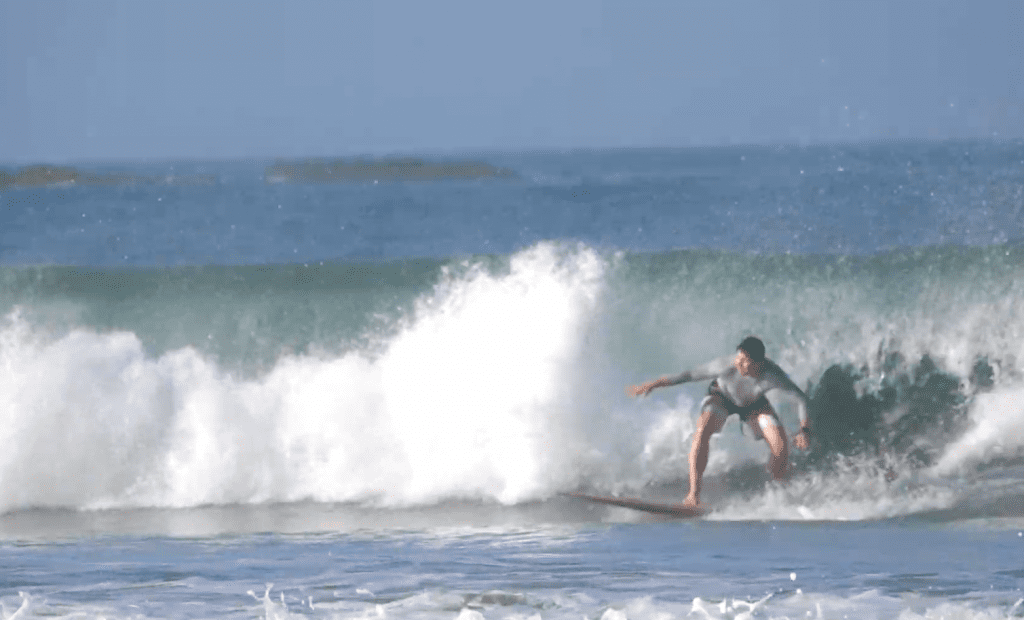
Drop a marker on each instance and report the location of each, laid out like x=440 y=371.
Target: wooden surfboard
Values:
x=672 y=510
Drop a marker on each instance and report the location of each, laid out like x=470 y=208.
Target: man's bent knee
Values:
x=767 y=421
x=712 y=419
x=774 y=436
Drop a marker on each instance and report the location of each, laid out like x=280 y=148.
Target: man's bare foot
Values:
x=691 y=502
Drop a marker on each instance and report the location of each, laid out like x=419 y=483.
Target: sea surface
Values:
x=230 y=396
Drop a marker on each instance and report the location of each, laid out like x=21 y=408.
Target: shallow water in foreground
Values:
x=560 y=560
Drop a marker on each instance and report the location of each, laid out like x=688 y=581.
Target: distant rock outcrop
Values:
x=397 y=169
x=41 y=175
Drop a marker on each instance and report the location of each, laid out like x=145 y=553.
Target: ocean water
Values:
x=253 y=399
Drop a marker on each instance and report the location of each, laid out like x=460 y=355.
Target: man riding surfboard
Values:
x=741 y=384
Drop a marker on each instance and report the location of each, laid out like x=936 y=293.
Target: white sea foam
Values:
x=868 y=604
x=471 y=398
x=855 y=489
x=996 y=431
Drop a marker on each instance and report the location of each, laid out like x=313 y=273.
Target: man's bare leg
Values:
x=712 y=419
x=775 y=436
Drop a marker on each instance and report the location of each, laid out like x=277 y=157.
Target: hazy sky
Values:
x=110 y=79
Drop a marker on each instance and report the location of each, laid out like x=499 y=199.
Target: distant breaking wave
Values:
x=387 y=169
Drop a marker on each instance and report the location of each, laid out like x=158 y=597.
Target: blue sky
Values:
x=113 y=79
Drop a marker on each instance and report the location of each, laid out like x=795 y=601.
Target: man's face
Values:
x=744 y=364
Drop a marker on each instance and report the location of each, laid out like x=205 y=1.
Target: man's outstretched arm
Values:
x=645 y=388
x=708 y=371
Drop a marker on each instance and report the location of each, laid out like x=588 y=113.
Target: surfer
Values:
x=741 y=384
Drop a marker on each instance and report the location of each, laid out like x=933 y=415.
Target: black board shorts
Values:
x=744 y=412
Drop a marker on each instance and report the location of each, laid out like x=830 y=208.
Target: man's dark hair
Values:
x=753 y=347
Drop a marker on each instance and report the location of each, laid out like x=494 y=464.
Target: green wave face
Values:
x=682 y=305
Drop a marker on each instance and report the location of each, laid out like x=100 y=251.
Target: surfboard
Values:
x=672 y=510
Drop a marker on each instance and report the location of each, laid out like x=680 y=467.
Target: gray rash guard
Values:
x=745 y=391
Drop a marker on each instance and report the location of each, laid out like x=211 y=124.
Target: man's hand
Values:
x=803 y=439
x=643 y=389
